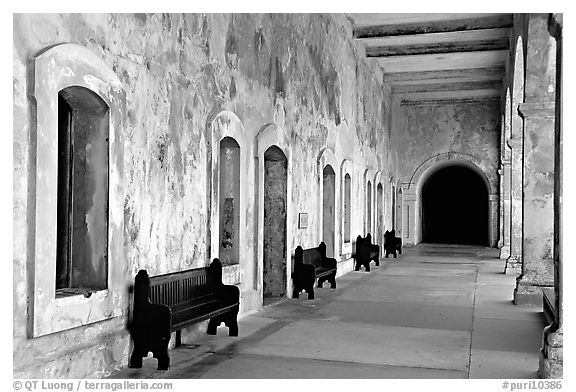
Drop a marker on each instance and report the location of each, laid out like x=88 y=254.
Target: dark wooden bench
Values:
x=312 y=264
x=167 y=303
x=392 y=244
x=365 y=252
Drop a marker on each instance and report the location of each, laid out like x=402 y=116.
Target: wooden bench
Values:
x=392 y=244
x=312 y=264
x=167 y=303
x=365 y=252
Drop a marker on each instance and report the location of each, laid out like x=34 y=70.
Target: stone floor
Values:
x=438 y=311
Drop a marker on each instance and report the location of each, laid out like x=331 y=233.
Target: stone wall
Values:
x=300 y=72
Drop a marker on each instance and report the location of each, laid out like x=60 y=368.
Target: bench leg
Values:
x=232 y=324
x=321 y=282
x=213 y=325
x=135 y=359
x=332 y=281
x=310 y=291
x=162 y=355
x=296 y=293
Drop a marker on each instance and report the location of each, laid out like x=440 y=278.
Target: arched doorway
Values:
x=328 y=209
x=275 y=203
x=455 y=207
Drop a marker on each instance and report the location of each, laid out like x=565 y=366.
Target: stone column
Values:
x=551 y=355
x=538 y=203
x=409 y=218
x=505 y=212
x=515 y=259
x=493 y=220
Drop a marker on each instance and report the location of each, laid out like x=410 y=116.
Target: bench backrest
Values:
x=312 y=256
x=178 y=287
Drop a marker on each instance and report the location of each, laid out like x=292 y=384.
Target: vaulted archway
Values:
x=455 y=207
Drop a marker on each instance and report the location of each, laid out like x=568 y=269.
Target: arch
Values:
x=412 y=198
x=274 y=240
x=71 y=68
x=444 y=159
x=270 y=135
x=518 y=90
x=368 y=188
x=347 y=183
x=226 y=124
x=326 y=158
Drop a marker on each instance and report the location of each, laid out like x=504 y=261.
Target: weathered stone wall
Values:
x=300 y=72
x=467 y=128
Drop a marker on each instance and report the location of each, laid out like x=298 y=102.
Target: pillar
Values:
x=538 y=203
x=505 y=172
x=514 y=261
x=551 y=354
x=493 y=220
x=409 y=218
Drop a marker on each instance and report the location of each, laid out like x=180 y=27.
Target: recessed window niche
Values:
x=229 y=201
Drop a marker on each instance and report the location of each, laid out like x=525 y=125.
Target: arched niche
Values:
x=379 y=205
x=347 y=183
x=368 y=189
x=77 y=75
x=227 y=131
x=270 y=147
x=328 y=201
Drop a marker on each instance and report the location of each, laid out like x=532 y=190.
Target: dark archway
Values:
x=455 y=207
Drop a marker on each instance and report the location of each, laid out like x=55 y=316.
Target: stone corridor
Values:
x=438 y=311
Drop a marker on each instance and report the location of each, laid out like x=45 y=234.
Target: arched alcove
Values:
x=275 y=213
x=328 y=208
x=379 y=214
x=368 y=228
x=229 y=194
x=455 y=207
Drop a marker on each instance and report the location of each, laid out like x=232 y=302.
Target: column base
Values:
x=528 y=292
x=551 y=354
x=513 y=263
x=505 y=252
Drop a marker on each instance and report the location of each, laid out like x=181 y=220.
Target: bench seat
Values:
x=193 y=312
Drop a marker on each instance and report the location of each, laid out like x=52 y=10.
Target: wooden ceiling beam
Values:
x=446 y=47
x=499 y=21
x=436 y=87
x=496 y=72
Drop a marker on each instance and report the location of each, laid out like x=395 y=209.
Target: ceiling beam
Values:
x=448 y=101
x=446 y=47
x=452 y=95
x=496 y=72
x=436 y=87
x=503 y=20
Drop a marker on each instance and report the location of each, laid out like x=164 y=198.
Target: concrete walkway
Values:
x=438 y=311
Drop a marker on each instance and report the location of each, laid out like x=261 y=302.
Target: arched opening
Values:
x=328 y=208
x=347 y=206
x=455 y=207
x=369 y=208
x=380 y=214
x=229 y=201
x=398 y=226
x=393 y=207
x=275 y=202
x=82 y=206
